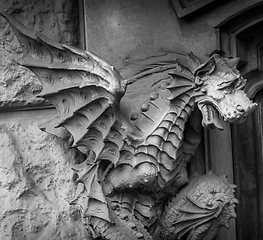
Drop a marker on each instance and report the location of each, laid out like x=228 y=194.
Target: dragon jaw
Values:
x=229 y=110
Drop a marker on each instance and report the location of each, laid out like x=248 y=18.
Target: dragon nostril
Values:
x=239 y=108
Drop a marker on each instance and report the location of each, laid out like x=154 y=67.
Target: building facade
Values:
x=37 y=182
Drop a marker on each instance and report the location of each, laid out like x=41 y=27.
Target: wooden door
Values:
x=241 y=36
x=248 y=170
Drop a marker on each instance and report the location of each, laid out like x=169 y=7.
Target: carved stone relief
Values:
x=133 y=146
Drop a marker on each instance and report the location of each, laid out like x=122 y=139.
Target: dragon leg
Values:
x=199 y=209
x=127 y=177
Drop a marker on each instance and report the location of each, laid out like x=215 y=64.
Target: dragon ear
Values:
x=194 y=60
x=205 y=69
x=232 y=62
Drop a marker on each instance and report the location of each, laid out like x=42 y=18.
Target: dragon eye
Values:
x=230 y=85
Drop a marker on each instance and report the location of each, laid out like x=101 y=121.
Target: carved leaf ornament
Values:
x=135 y=140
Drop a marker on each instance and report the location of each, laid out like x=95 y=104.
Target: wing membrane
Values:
x=86 y=91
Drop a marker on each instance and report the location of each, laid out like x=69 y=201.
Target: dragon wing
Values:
x=86 y=92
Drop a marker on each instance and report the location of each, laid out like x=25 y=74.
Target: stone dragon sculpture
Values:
x=134 y=136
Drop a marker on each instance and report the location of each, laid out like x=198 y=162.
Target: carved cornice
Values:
x=187 y=8
x=241 y=36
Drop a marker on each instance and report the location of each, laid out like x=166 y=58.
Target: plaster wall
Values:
x=119 y=31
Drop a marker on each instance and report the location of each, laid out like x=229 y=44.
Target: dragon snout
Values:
x=250 y=108
x=232 y=113
x=237 y=107
x=239 y=113
x=245 y=111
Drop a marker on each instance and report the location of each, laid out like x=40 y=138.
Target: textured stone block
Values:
x=36 y=183
x=55 y=19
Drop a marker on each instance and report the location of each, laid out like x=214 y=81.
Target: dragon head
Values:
x=220 y=91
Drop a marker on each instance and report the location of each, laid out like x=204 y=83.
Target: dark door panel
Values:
x=248 y=172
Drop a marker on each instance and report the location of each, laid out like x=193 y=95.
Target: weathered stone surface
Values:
x=36 y=181
x=36 y=184
x=56 y=19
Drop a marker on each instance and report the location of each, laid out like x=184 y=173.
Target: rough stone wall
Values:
x=36 y=185
x=56 y=19
x=36 y=182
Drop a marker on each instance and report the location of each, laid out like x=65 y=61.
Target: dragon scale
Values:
x=162 y=149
